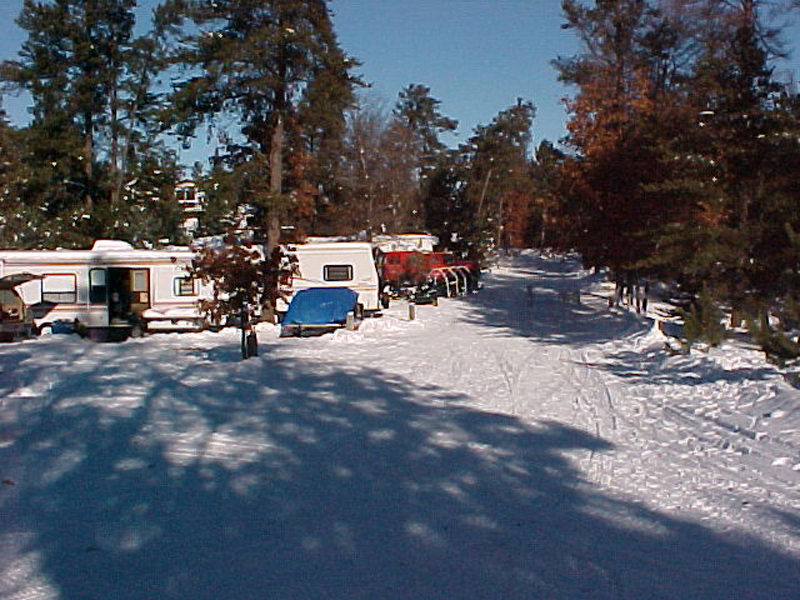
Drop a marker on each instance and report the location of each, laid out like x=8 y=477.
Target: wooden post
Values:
x=245 y=326
x=412 y=311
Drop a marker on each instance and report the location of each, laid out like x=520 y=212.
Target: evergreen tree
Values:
x=90 y=84
x=447 y=213
x=15 y=216
x=546 y=175
x=320 y=130
x=735 y=160
x=418 y=112
x=703 y=321
x=219 y=212
x=480 y=196
x=628 y=96
x=277 y=66
x=401 y=203
x=147 y=211
x=498 y=159
x=52 y=146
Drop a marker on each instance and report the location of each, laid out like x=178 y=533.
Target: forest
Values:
x=680 y=162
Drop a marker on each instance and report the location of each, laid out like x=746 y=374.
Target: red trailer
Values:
x=404 y=272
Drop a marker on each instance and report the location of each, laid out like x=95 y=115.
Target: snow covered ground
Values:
x=512 y=444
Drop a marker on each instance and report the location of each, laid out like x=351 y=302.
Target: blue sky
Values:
x=477 y=56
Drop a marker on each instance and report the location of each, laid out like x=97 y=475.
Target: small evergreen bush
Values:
x=702 y=322
x=776 y=344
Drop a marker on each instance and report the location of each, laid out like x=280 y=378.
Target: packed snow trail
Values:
x=515 y=444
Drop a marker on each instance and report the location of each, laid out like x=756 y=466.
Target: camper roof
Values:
x=329 y=246
x=111 y=245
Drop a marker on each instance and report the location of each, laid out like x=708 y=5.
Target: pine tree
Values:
x=271 y=63
x=628 y=96
x=90 y=81
x=735 y=158
x=15 y=217
x=447 y=212
x=418 y=112
x=498 y=159
x=52 y=146
x=546 y=175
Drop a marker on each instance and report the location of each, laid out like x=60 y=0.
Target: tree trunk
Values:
x=370 y=191
x=276 y=150
x=500 y=228
x=114 y=167
x=88 y=153
x=275 y=184
x=483 y=192
x=543 y=232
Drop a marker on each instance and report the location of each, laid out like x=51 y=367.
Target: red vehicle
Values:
x=445 y=259
x=405 y=271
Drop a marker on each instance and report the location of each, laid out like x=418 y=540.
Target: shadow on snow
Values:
x=547 y=313
x=289 y=481
x=539 y=302
x=655 y=367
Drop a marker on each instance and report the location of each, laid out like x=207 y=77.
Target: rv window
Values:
x=59 y=288
x=337 y=272
x=184 y=286
x=98 y=290
x=139 y=280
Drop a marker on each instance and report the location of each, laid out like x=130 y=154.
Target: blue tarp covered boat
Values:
x=317 y=310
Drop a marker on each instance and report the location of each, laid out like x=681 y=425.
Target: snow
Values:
x=511 y=444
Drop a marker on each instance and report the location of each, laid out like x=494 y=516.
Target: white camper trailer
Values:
x=110 y=291
x=333 y=264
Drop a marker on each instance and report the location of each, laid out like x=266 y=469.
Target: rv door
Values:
x=129 y=293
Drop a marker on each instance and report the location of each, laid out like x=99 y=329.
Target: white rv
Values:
x=110 y=291
x=333 y=264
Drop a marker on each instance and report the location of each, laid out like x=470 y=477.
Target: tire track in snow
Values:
x=702 y=464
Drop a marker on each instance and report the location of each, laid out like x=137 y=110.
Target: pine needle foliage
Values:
x=702 y=322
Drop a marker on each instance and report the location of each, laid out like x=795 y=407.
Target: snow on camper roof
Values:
x=111 y=245
x=116 y=251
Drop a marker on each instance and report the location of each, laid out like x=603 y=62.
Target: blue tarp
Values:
x=320 y=306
